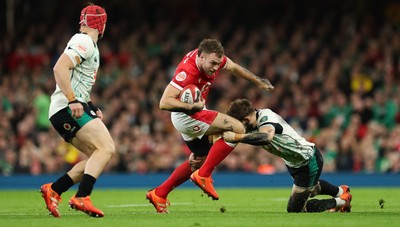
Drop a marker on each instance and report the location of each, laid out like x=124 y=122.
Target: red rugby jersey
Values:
x=187 y=73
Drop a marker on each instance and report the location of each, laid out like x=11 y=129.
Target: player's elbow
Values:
x=238 y=128
x=241 y=129
x=162 y=105
x=56 y=70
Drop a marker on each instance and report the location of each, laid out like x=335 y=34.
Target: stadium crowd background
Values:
x=334 y=64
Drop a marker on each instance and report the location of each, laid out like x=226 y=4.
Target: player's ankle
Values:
x=339 y=202
x=340 y=192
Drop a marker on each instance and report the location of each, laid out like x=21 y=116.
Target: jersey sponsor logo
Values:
x=180 y=76
x=82 y=48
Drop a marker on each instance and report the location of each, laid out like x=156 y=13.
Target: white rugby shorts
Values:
x=193 y=126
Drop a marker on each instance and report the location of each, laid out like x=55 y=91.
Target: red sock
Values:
x=179 y=176
x=217 y=153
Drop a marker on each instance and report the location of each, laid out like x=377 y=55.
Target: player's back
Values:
x=286 y=143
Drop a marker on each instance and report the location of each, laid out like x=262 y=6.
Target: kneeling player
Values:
x=303 y=160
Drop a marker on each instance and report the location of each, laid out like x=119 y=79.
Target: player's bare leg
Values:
x=298 y=199
x=217 y=153
x=100 y=148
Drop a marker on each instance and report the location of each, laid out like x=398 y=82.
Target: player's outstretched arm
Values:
x=240 y=71
x=256 y=138
x=262 y=137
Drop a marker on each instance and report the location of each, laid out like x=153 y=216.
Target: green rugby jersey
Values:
x=83 y=76
x=286 y=143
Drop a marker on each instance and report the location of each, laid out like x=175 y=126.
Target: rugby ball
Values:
x=190 y=94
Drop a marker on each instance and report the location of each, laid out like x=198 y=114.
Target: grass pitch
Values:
x=243 y=207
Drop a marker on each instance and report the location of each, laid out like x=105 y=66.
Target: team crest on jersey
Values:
x=264 y=119
x=181 y=76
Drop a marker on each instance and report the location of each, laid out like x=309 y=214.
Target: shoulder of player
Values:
x=83 y=44
x=228 y=64
x=265 y=111
x=188 y=67
x=265 y=115
x=82 y=39
x=184 y=76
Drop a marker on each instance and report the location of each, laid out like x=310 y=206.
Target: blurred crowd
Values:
x=335 y=66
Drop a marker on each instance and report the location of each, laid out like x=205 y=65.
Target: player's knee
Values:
x=298 y=200
x=315 y=190
x=295 y=205
x=291 y=208
x=108 y=149
x=111 y=149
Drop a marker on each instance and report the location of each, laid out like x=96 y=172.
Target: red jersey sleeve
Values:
x=223 y=63
x=186 y=72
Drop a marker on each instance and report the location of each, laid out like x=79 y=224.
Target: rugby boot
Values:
x=158 y=202
x=51 y=198
x=205 y=183
x=84 y=204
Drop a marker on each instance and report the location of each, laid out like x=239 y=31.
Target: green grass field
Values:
x=244 y=207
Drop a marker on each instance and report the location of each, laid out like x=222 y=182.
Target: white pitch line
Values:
x=18 y=214
x=173 y=204
x=143 y=205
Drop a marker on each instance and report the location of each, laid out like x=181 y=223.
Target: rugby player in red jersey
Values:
x=196 y=123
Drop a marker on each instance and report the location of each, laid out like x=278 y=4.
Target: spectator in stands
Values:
x=316 y=62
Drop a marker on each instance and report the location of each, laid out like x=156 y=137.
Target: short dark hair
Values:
x=211 y=46
x=240 y=108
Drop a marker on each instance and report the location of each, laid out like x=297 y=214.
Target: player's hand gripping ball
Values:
x=190 y=94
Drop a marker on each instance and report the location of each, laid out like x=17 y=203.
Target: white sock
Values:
x=339 y=202
x=340 y=192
